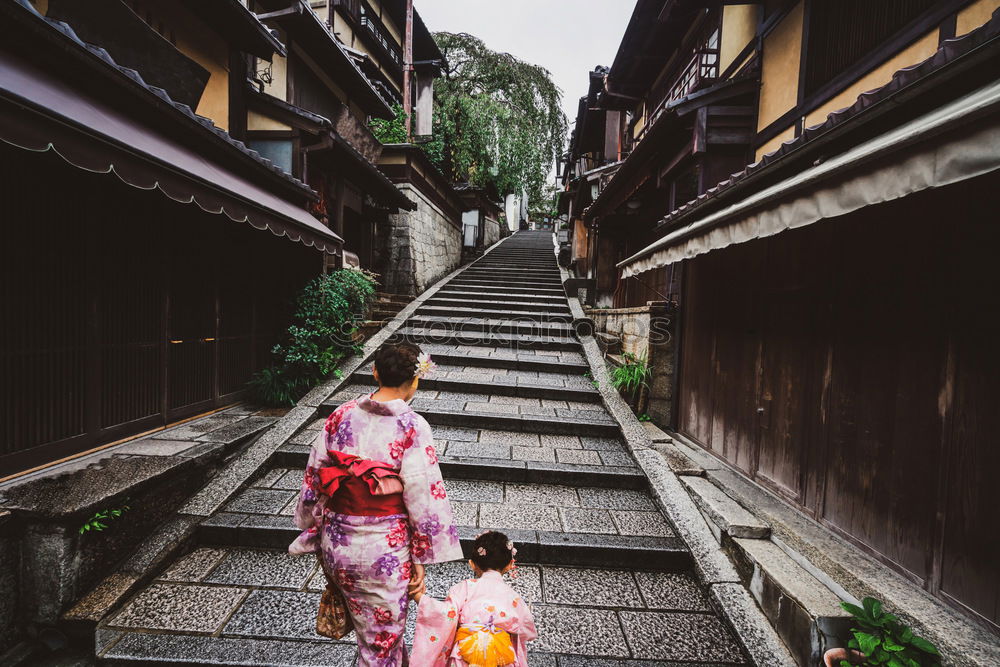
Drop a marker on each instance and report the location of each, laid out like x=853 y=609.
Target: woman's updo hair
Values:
x=396 y=363
x=492 y=551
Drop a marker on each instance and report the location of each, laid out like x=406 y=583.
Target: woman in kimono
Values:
x=374 y=540
x=482 y=622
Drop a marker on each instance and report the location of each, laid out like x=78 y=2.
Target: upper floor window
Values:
x=840 y=34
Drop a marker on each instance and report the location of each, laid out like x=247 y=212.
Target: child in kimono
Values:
x=482 y=622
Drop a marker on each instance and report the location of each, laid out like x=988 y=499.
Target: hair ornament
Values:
x=481 y=551
x=425 y=365
x=511 y=548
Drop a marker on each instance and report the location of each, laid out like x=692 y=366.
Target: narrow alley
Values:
x=526 y=447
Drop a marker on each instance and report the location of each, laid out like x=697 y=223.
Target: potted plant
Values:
x=881 y=639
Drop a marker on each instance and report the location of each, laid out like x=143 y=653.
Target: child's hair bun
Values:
x=492 y=551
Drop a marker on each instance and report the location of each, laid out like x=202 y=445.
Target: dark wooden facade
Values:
x=852 y=367
x=123 y=310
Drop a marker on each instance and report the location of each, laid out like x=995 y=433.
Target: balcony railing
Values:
x=382 y=36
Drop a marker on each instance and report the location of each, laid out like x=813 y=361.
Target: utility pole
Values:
x=408 y=70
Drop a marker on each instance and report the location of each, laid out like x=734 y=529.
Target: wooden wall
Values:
x=123 y=310
x=853 y=367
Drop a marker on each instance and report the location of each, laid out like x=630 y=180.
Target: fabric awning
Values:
x=956 y=142
x=40 y=112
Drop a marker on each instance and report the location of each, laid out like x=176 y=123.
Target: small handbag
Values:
x=333 y=620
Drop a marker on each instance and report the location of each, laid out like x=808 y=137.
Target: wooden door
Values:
x=191 y=332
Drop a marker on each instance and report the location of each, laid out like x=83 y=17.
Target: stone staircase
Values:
x=526 y=447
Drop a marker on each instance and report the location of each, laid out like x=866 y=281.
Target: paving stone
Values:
x=194 y=566
x=247 y=567
x=474 y=490
x=238 y=430
x=492 y=408
x=509 y=438
x=442 y=576
x=601 y=444
x=679 y=636
x=584 y=586
x=541 y=454
x=466 y=514
x=616 y=499
x=455 y=433
x=290 y=481
x=482 y=450
x=561 y=441
x=141 y=648
x=523 y=517
x=587 y=520
x=289 y=509
x=616 y=459
x=542 y=494
x=579 y=456
x=179 y=607
x=270 y=477
x=276 y=614
x=537 y=412
x=155 y=446
x=260 y=501
x=595 y=632
x=641 y=523
x=669 y=590
x=515 y=400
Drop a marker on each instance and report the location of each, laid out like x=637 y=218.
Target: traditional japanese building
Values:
x=150 y=259
x=836 y=334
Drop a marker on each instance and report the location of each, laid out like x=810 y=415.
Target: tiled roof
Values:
x=949 y=52
x=205 y=123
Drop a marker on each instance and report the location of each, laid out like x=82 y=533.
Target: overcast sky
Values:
x=567 y=37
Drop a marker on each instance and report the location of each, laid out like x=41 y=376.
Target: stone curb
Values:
x=714 y=569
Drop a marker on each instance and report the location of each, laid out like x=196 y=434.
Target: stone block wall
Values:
x=492 y=233
x=646 y=331
x=422 y=246
x=10 y=565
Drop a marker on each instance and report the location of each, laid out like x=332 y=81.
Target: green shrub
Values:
x=321 y=334
x=886 y=641
x=632 y=375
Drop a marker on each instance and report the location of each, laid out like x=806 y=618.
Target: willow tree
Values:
x=498 y=119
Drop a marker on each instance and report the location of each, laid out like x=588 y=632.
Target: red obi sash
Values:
x=351 y=483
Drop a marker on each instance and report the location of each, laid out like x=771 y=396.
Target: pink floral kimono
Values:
x=475 y=612
x=369 y=555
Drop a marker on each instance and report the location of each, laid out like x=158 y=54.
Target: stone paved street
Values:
x=526 y=447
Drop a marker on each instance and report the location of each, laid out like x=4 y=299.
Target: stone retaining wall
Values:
x=645 y=331
x=423 y=246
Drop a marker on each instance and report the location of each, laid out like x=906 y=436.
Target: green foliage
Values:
x=392 y=131
x=885 y=640
x=499 y=118
x=644 y=417
x=321 y=334
x=632 y=375
x=100 y=520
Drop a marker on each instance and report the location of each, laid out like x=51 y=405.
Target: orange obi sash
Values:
x=357 y=486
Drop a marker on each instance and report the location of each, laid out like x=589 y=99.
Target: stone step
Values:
x=505 y=358
x=520 y=285
x=234 y=606
x=508 y=455
x=554 y=388
x=804 y=612
x=579 y=525
x=491 y=304
x=519 y=341
x=502 y=275
x=472 y=310
x=459 y=293
x=461 y=325
x=494 y=284
x=725 y=515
